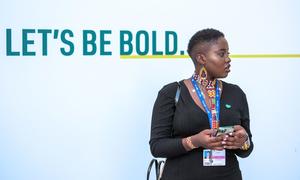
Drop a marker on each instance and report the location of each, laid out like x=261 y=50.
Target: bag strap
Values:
x=159 y=165
x=177 y=93
x=152 y=162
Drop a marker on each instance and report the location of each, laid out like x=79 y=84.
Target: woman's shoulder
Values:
x=232 y=87
x=169 y=88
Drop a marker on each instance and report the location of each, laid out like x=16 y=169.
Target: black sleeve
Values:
x=245 y=123
x=162 y=144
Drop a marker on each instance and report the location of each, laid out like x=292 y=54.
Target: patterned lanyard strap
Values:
x=214 y=96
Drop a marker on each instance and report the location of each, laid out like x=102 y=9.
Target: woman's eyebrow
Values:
x=223 y=49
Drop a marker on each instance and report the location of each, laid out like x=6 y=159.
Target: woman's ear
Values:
x=200 y=58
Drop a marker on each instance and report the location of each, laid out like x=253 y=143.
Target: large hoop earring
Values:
x=203 y=76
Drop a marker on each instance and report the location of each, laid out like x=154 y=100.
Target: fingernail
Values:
x=230 y=134
x=226 y=136
x=223 y=142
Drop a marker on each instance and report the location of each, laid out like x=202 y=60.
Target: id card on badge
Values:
x=214 y=157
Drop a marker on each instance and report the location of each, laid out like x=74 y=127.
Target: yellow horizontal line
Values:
x=265 y=56
x=231 y=56
x=153 y=56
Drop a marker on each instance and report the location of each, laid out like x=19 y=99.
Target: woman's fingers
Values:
x=231 y=147
x=216 y=143
x=234 y=140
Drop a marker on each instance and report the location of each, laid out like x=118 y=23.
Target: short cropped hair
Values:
x=202 y=37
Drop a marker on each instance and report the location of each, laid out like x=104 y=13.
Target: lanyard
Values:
x=201 y=97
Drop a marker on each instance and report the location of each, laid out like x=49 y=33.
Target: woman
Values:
x=201 y=134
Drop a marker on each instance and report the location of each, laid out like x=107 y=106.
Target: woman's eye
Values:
x=222 y=54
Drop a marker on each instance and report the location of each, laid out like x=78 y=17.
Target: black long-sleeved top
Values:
x=171 y=122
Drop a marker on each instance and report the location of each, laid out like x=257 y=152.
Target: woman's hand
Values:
x=206 y=140
x=236 y=139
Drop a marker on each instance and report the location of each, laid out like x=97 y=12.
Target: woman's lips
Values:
x=227 y=68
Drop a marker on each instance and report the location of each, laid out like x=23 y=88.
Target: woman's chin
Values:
x=224 y=75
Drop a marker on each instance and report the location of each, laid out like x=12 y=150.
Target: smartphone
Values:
x=224 y=130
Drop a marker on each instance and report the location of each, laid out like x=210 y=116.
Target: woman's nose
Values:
x=227 y=60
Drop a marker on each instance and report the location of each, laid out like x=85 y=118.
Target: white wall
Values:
x=78 y=117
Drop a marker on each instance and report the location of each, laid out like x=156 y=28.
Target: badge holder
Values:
x=214 y=157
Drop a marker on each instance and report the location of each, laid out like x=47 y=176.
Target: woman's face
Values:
x=217 y=61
